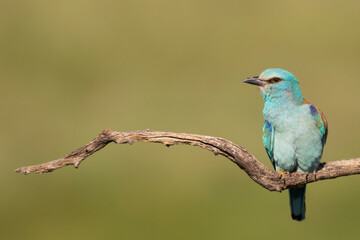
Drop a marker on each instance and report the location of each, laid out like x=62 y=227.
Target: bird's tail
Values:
x=297 y=202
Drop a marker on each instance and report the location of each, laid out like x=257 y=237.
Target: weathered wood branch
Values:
x=258 y=172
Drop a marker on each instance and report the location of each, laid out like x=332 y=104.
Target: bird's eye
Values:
x=275 y=80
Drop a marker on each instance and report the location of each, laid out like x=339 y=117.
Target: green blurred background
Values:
x=69 y=69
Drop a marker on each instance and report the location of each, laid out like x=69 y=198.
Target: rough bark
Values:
x=258 y=172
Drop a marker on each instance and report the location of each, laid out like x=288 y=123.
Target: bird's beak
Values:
x=255 y=81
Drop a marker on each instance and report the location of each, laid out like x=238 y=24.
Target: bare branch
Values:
x=256 y=170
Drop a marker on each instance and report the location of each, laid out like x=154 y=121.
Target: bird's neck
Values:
x=279 y=105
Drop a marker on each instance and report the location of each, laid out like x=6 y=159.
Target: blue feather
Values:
x=268 y=137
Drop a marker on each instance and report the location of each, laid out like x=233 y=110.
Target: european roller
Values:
x=294 y=131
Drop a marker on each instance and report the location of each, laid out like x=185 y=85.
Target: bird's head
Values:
x=276 y=83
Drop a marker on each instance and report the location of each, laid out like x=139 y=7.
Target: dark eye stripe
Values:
x=274 y=80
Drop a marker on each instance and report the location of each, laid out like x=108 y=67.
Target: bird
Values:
x=294 y=130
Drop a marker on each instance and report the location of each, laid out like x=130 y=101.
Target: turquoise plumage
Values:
x=294 y=131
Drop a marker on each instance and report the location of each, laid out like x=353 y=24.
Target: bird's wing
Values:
x=320 y=121
x=268 y=139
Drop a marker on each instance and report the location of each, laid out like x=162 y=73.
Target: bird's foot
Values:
x=282 y=173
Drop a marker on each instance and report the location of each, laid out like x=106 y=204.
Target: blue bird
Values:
x=294 y=131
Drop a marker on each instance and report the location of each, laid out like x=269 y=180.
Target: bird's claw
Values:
x=282 y=173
